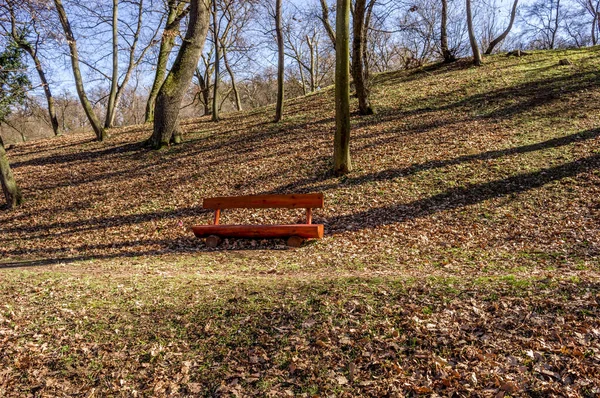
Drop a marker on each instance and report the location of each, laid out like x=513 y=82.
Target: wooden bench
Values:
x=296 y=233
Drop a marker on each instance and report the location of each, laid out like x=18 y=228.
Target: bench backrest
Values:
x=294 y=201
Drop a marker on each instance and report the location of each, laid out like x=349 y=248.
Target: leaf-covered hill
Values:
x=461 y=254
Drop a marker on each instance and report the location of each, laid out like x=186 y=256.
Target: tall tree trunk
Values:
x=216 y=28
x=325 y=20
x=446 y=53
x=171 y=31
x=87 y=106
x=112 y=97
x=499 y=39
x=360 y=80
x=556 y=20
x=474 y=46
x=365 y=54
x=238 y=101
x=26 y=46
x=280 y=62
x=594 y=40
x=170 y=95
x=341 y=142
x=12 y=194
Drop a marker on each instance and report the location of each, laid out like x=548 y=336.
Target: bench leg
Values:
x=295 y=241
x=213 y=241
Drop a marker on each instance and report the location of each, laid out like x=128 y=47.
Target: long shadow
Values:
x=103 y=222
x=302 y=186
x=459 y=197
x=132 y=148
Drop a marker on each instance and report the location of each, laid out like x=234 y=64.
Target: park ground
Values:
x=461 y=257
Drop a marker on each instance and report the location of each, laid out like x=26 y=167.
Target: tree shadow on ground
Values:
x=308 y=185
x=366 y=219
x=460 y=197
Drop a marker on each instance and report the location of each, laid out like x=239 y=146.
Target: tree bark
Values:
x=112 y=97
x=499 y=39
x=446 y=53
x=171 y=31
x=341 y=144
x=360 y=80
x=216 y=28
x=87 y=106
x=12 y=194
x=280 y=62
x=170 y=95
x=472 y=39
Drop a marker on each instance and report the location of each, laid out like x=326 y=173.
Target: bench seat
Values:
x=306 y=231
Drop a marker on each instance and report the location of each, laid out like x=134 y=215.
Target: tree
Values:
x=341 y=143
x=168 y=101
x=216 y=27
x=543 y=20
x=280 y=61
x=446 y=53
x=472 y=39
x=19 y=36
x=502 y=36
x=116 y=88
x=13 y=86
x=177 y=10
x=87 y=106
x=360 y=27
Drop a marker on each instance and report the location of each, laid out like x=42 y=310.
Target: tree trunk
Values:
x=497 y=40
x=472 y=39
x=24 y=45
x=280 y=62
x=446 y=53
x=12 y=194
x=87 y=106
x=360 y=80
x=341 y=143
x=325 y=20
x=171 y=31
x=238 y=101
x=216 y=28
x=170 y=95
x=594 y=40
x=556 y=20
x=112 y=97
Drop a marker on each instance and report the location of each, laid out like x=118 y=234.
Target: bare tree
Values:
x=542 y=20
x=31 y=47
x=502 y=36
x=87 y=106
x=472 y=39
x=168 y=101
x=448 y=55
x=216 y=27
x=360 y=27
x=280 y=61
x=324 y=17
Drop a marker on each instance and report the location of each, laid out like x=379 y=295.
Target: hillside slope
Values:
x=462 y=255
x=457 y=157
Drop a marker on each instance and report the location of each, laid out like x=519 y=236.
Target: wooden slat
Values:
x=259 y=231
x=294 y=201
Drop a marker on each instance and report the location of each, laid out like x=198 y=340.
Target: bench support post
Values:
x=217 y=216
x=309 y=216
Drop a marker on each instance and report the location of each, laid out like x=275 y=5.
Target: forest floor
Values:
x=461 y=256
